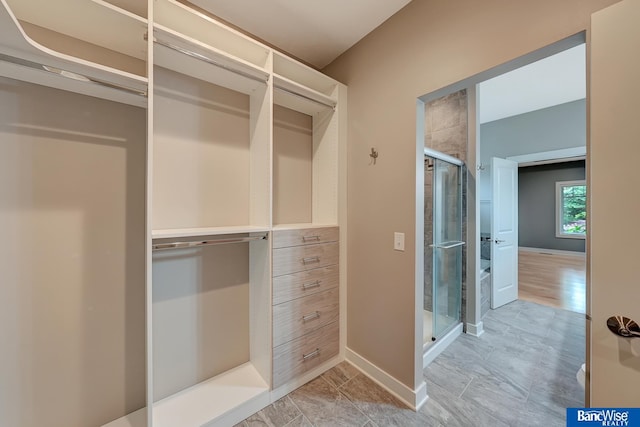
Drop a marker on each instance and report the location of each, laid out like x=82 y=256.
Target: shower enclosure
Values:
x=443 y=245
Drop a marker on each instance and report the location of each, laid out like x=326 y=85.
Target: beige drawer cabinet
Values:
x=303 y=258
x=306 y=300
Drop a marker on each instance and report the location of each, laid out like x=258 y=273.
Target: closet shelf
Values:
x=206 y=231
x=301 y=226
x=212 y=399
x=26 y=60
x=198 y=26
x=302 y=74
x=295 y=96
x=92 y=21
x=134 y=419
x=196 y=59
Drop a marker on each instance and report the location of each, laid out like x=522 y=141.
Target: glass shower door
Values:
x=447 y=246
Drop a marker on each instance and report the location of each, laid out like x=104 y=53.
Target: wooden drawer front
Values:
x=295 y=318
x=304 y=283
x=301 y=258
x=303 y=354
x=304 y=236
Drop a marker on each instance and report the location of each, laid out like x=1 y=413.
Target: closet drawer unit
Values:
x=304 y=236
x=296 y=318
x=304 y=283
x=301 y=258
x=303 y=354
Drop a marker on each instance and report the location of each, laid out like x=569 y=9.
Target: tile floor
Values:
x=520 y=372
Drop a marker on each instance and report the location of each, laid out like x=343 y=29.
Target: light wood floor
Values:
x=552 y=279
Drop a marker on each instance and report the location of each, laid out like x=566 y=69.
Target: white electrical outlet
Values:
x=398 y=241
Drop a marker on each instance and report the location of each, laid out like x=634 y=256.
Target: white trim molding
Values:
x=552 y=251
x=475 y=330
x=412 y=398
x=553 y=156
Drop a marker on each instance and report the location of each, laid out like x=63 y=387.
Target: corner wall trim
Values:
x=412 y=398
x=475 y=330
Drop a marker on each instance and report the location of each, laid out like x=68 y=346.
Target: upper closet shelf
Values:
x=198 y=26
x=300 y=73
x=193 y=58
x=295 y=96
x=24 y=59
x=93 y=21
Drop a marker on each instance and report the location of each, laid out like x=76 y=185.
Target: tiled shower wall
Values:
x=446 y=131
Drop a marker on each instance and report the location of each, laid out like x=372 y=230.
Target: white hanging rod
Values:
x=208 y=60
x=222 y=241
x=69 y=74
x=308 y=98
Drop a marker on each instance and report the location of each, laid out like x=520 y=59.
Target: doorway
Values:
x=535 y=116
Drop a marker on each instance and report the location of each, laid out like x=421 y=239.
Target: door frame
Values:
x=473 y=323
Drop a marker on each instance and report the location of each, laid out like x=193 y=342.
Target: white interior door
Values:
x=613 y=152
x=504 y=232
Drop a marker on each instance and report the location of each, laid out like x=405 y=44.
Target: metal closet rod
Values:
x=208 y=60
x=69 y=74
x=210 y=242
x=308 y=98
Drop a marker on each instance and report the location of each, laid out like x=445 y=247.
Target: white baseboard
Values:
x=412 y=398
x=475 y=330
x=552 y=251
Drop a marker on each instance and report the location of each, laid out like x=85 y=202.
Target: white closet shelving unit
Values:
x=215 y=173
x=28 y=59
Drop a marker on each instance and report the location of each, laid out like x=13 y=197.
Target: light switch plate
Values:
x=398 y=241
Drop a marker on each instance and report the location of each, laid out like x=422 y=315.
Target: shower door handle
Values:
x=448 y=245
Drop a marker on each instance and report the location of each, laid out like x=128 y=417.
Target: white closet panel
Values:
x=200 y=315
x=72 y=262
x=201 y=154
x=292 y=166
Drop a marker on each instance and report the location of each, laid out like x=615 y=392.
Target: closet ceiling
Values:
x=315 y=31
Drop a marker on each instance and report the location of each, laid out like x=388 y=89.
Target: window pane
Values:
x=574 y=209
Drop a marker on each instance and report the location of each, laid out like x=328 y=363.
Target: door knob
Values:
x=623 y=326
x=498 y=241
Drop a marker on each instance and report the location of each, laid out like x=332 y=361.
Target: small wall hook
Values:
x=481 y=167
x=373 y=155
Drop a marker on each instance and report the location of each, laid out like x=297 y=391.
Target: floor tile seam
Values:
x=339 y=388
x=351 y=402
x=493 y=375
x=467 y=386
x=300 y=410
x=295 y=418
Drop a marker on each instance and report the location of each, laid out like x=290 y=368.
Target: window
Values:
x=571 y=209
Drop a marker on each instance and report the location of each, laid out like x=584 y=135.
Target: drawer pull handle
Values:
x=314 y=353
x=311 y=238
x=311 y=259
x=311 y=285
x=312 y=316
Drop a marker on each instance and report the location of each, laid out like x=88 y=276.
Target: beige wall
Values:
x=424 y=47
